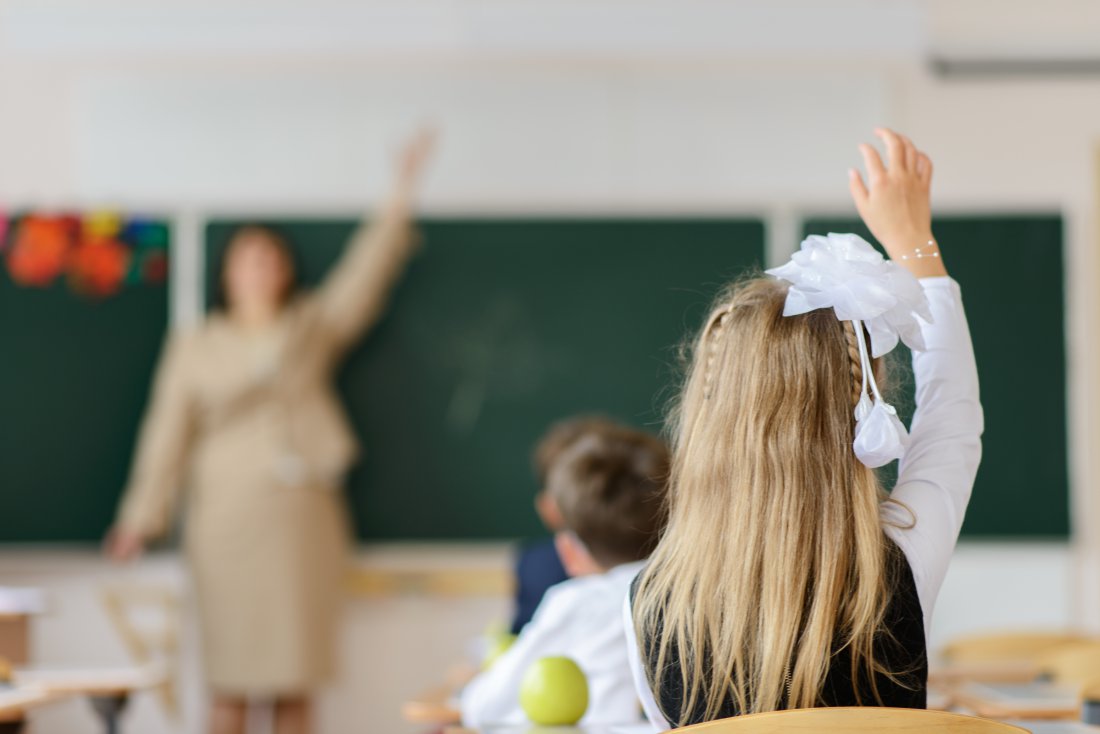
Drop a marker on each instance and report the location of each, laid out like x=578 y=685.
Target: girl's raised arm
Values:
x=936 y=474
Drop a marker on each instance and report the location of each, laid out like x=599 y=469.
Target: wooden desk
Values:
x=433 y=706
x=438 y=705
x=1034 y=726
x=528 y=728
x=1055 y=727
x=15 y=638
x=17 y=606
x=1036 y=700
x=951 y=674
x=16 y=702
x=107 y=689
x=940 y=699
x=92 y=681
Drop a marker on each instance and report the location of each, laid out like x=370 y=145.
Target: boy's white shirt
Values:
x=936 y=474
x=581 y=619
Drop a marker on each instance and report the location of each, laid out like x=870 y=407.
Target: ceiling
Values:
x=616 y=30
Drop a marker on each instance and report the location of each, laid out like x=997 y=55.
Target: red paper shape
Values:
x=154 y=266
x=39 y=251
x=98 y=267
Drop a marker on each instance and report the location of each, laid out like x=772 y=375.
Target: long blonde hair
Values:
x=774 y=556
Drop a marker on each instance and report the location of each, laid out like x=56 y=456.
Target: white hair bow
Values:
x=843 y=272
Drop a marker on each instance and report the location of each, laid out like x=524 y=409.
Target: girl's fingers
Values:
x=924 y=168
x=857 y=187
x=895 y=149
x=872 y=162
x=910 y=154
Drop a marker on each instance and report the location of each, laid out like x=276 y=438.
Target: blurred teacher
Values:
x=244 y=410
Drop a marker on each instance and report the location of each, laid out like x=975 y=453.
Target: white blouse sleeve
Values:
x=936 y=475
x=492 y=697
x=641 y=685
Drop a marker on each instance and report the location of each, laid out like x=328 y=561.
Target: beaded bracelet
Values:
x=919 y=253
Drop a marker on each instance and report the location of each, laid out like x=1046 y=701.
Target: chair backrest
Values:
x=1072 y=664
x=1009 y=646
x=1090 y=690
x=856 y=719
x=147 y=619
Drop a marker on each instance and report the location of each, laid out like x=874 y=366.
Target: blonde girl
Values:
x=788 y=577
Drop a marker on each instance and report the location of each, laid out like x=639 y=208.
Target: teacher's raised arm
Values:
x=354 y=294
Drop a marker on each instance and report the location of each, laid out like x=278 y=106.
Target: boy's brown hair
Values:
x=561 y=435
x=610 y=487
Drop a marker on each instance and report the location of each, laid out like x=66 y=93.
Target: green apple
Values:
x=554 y=692
x=497 y=646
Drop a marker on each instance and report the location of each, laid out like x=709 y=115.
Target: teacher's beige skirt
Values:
x=268 y=566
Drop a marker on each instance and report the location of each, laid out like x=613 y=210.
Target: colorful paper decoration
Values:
x=39 y=251
x=150 y=261
x=101 y=225
x=98 y=267
x=100 y=253
x=152 y=266
x=145 y=233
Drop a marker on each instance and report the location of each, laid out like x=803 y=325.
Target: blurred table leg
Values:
x=109 y=709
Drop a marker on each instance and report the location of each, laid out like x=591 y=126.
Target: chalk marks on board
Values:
x=499 y=356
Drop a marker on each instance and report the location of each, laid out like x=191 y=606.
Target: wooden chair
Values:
x=1005 y=657
x=856 y=719
x=148 y=621
x=1008 y=646
x=1073 y=664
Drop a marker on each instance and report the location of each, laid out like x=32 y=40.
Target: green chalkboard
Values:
x=500 y=328
x=1011 y=271
x=74 y=379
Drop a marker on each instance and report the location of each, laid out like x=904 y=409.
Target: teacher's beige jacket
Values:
x=251 y=424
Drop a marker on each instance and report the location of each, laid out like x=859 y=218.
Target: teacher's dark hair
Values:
x=278 y=240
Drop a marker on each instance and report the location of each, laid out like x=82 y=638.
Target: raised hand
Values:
x=413 y=160
x=895 y=203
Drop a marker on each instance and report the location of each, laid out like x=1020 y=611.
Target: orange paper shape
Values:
x=98 y=267
x=39 y=251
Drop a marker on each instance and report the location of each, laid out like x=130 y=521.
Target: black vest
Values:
x=902 y=652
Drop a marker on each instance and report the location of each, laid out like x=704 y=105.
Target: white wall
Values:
x=208 y=109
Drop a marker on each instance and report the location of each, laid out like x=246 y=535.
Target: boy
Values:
x=609 y=487
x=538 y=566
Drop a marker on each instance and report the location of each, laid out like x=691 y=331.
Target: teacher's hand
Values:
x=123 y=546
x=413 y=160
